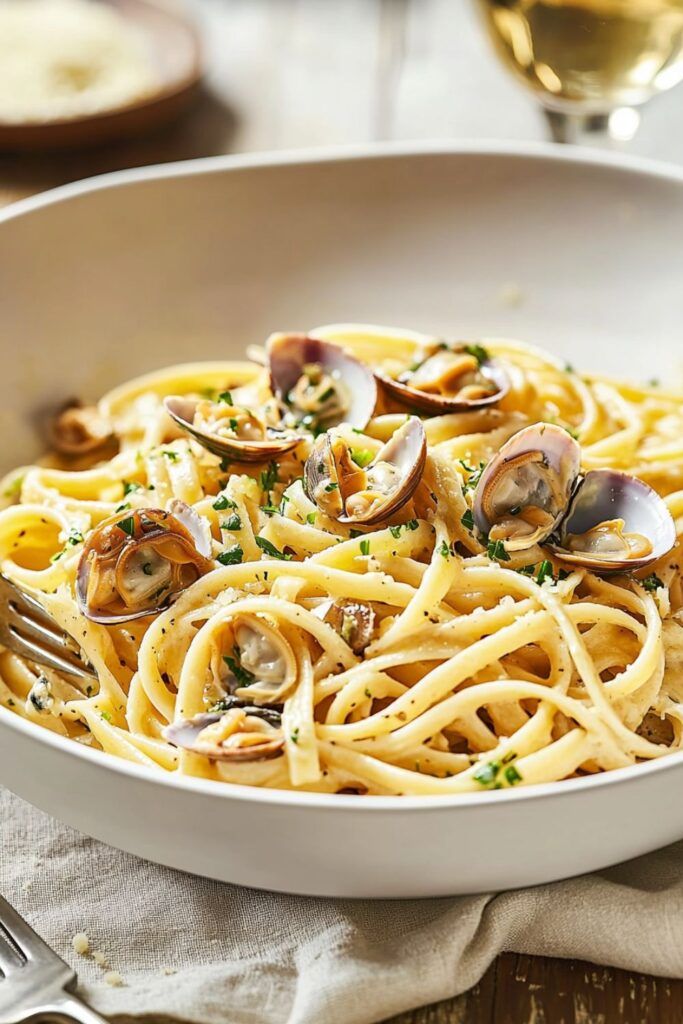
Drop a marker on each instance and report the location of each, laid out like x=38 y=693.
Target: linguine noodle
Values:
x=483 y=670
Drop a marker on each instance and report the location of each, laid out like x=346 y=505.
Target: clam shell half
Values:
x=525 y=489
x=288 y=354
x=603 y=496
x=278 y=442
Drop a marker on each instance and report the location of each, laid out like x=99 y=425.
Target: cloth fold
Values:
x=211 y=953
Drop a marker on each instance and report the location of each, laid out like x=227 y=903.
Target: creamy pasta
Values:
x=344 y=601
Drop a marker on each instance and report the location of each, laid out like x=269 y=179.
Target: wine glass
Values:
x=591 y=63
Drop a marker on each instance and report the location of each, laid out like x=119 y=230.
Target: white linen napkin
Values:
x=211 y=953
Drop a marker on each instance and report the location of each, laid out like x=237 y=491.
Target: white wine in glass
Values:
x=590 y=61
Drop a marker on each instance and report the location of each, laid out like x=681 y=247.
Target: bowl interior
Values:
x=100 y=284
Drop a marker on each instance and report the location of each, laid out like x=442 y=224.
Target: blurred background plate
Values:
x=173 y=44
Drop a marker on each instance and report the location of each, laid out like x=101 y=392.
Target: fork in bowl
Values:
x=28 y=630
x=34 y=981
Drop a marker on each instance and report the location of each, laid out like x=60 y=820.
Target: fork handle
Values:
x=71 y=1008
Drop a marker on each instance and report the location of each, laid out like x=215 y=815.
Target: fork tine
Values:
x=30 y=945
x=10 y=956
x=30 y=631
x=24 y=646
x=26 y=603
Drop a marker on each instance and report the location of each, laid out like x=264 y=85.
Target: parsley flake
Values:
x=496 y=550
x=271 y=550
x=479 y=353
x=232 y=557
x=127 y=525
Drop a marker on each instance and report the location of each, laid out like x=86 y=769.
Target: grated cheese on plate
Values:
x=64 y=59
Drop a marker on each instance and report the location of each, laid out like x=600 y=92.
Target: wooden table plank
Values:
x=521 y=989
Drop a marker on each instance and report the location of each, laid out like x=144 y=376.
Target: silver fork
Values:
x=27 y=630
x=34 y=981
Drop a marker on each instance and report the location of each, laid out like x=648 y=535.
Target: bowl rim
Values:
x=536 y=151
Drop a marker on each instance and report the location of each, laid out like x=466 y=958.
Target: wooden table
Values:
x=292 y=73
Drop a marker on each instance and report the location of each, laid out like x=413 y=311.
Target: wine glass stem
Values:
x=605 y=130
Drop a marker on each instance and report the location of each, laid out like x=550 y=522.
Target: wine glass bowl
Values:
x=590 y=62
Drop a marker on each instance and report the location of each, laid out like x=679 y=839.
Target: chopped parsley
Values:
x=365 y=547
x=496 y=550
x=222 y=502
x=269 y=477
x=294 y=735
x=411 y=524
x=75 y=537
x=271 y=550
x=170 y=455
x=545 y=570
x=467 y=519
x=527 y=570
x=310 y=518
x=479 y=353
x=362 y=456
x=444 y=549
x=105 y=715
x=568 y=368
x=475 y=474
x=123 y=507
x=652 y=582
x=272 y=510
x=232 y=557
x=233 y=522
x=512 y=776
x=225 y=397
x=127 y=525
x=468 y=469
x=129 y=486
x=332 y=486
x=242 y=675
x=487 y=773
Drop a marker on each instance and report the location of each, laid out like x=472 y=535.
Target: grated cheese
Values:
x=63 y=59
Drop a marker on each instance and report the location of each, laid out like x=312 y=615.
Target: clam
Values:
x=353 y=620
x=531 y=492
x=615 y=522
x=136 y=561
x=236 y=731
x=524 y=491
x=321 y=384
x=449 y=378
x=79 y=430
x=230 y=431
x=351 y=494
x=260 y=659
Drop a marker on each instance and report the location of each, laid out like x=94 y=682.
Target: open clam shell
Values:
x=80 y=430
x=615 y=522
x=452 y=378
x=349 y=494
x=191 y=734
x=137 y=561
x=261 y=661
x=353 y=383
x=277 y=442
x=525 y=489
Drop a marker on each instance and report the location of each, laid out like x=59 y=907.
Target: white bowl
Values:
x=102 y=280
